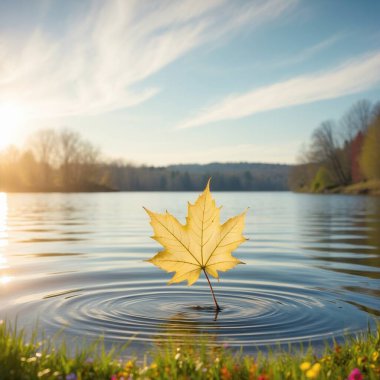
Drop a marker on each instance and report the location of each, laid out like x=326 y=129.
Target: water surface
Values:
x=76 y=262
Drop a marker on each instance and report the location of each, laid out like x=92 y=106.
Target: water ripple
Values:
x=260 y=315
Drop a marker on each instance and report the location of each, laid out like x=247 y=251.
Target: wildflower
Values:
x=252 y=369
x=113 y=377
x=313 y=372
x=375 y=356
x=305 y=366
x=177 y=356
x=128 y=367
x=310 y=374
x=361 y=360
x=355 y=375
x=198 y=366
x=129 y=364
x=263 y=376
x=71 y=376
x=143 y=370
x=43 y=372
x=122 y=376
x=225 y=374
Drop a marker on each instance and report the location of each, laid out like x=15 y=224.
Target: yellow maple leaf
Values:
x=202 y=244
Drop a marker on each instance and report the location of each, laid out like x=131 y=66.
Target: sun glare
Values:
x=11 y=117
x=4 y=277
x=3 y=220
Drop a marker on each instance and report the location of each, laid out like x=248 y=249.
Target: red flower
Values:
x=355 y=375
x=225 y=374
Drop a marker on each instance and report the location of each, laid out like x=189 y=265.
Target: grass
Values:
x=33 y=358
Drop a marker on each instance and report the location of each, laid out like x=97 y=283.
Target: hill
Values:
x=242 y=176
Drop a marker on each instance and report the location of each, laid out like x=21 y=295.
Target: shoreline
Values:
x=371 y=187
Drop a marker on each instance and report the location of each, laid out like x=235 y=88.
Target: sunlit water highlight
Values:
x=76 y=262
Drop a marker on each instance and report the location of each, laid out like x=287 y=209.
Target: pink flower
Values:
x=355 y=375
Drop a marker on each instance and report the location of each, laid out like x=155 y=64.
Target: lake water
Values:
x=76 y=262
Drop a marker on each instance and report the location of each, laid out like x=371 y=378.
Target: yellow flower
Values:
x=326 y=358
x=360 y=360
x=310 y=374
x=375 y=356
x=305 y=366
x=313 y=372
x=129 y=365
x=253 y=368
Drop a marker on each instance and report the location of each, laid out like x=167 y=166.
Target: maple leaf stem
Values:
x=218 y=308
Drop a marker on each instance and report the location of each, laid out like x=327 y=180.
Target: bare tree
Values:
x=354 y=126
x=357 y=119
x=325 y=149
x=375 y=112
x=68 y=148
x=43 y=145
x=86 y=162
x=78 y=159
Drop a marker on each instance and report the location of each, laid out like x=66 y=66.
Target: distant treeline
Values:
x=65 y=161
x=341 y=153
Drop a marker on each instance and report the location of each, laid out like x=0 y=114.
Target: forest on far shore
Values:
x=341 y=153
x=64 y=161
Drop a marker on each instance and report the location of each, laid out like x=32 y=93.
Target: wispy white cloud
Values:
x=95 y=65
x=351 y=77
x=308 y=52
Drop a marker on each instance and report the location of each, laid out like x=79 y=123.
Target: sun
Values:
x=11 y=117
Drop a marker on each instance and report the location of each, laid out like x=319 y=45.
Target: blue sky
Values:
x=162 y=82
